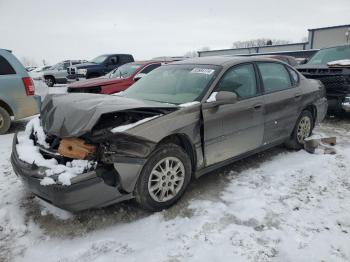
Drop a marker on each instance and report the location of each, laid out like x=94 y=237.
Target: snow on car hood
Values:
x=73 y=115
x=343 y=62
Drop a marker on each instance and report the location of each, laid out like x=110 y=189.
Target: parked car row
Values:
x=57 y=74
x=117 y=80
x=179 y=121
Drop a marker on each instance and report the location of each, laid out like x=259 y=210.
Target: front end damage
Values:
x=96 y=169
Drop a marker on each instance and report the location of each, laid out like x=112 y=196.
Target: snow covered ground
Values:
x=275 y=206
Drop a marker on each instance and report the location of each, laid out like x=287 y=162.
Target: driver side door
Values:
x=62 y=72
x=233 y=129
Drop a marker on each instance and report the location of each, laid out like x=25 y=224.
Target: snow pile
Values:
x=35 y=126
x=30 y=154
x=123 y=128
x=212 y=97
x=343 y=62
x=189 y=104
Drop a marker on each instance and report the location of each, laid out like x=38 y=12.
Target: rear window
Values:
x=5 y=67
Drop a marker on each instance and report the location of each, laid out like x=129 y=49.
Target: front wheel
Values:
x=164 y=178
x=302 y=130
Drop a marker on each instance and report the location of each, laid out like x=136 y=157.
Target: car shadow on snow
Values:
x=207 y=187
x=17 y=126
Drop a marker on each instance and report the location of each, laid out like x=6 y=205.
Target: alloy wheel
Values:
x=304 y=129
x=49 y=82
x=166 y=179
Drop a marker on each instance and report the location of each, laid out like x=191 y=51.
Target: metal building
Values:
x=318 y=38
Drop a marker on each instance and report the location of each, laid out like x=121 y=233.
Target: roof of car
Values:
x=222 y=60
x=146 y=62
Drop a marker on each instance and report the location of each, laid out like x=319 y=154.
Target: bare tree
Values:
x=258 y=42
x=194 y=53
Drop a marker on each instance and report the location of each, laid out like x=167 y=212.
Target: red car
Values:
x=117 y=80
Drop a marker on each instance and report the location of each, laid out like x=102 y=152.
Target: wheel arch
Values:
x=4 y=105
x=313 y=111
x=185 y=143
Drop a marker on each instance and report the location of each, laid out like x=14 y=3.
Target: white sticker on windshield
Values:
x=205 y=71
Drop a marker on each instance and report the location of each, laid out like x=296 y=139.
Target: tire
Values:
x=303 y=128
x=172 y=182
x=50 y=81
x=5 y=121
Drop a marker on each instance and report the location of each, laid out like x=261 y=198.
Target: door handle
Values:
x=257 y=106
x=297 y=95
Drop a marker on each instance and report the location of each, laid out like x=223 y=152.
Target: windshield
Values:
x=325 y=56
x=124 y=71
x=55 y=66
x=174 y=84
x=100 y=59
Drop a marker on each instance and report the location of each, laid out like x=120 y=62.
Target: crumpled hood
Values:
x=73 y=115
x=99 y=81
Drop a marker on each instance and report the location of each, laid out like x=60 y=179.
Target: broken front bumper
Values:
x=88 y=191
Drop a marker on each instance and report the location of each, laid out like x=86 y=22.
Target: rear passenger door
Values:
x=62 y=72
x=282 y=97
x=123 y=59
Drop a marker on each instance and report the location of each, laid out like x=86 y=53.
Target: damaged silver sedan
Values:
x=181 y=121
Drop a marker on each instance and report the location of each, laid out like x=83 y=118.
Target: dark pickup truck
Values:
x=332 y=67
x=98 y=66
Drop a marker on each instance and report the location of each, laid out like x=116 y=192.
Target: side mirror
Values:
x=139 y=76
x=222 y=98
x=303 y=61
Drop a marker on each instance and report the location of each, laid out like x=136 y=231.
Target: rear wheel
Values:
x=164 y=178
x=50 y=81
x=5 y=121
x=302 y=130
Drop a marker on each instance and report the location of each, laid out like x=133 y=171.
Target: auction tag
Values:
x=205 y=71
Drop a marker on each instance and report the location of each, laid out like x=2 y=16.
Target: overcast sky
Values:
x=81 y=29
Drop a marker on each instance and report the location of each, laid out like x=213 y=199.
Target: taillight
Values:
x=29 y=85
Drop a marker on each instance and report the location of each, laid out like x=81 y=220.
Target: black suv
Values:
x=98 y=66
x=332 y=67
